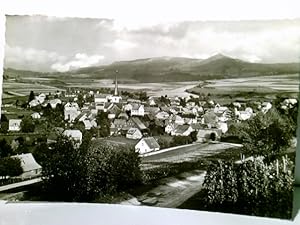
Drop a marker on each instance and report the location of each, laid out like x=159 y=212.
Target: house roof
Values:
x=132 y=130
x=180 y=129
x=196 y=126
x=123 y=115
x=28 y=162
x=101 y=95
x=135 y=106
x=120 y=122
x=139 y=123
x=73 y=133
x=151 y=142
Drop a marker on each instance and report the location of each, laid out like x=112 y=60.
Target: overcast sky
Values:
x=61 y=44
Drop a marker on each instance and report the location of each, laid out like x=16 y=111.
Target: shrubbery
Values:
x=252 y=187
x=82 y=174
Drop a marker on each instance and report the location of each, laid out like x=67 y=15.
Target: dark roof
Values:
x=151 y=142
x=133 y=130
x=138 y=123
x=182 y=128
x=120 y=122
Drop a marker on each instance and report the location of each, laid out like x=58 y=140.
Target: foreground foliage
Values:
x=82 y=174
x=252 y=187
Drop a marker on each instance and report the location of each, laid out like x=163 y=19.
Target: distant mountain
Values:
x=171 y=69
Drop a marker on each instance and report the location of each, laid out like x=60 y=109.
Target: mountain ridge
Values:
x=172 y=69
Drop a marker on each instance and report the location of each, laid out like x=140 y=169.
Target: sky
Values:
x=42 y=43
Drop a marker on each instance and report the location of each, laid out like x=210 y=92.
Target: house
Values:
x=170 y=127
x=71 y=111
x=33 y=103
x=41 y=98
x=120 y=124
x=210 y=119
x=35 y=115
x=223 y=127
x=101 y=98
x=30 y=167
x=123 y=115
x=196 y=126
x=162 y=115
x=134 y=133
x=182 y=130
x=151 y=101
x=243 y=115
x=176 y=119
x=14 y=125
x=137 y=123
x=76 y=135
x=151 y=110
x=266 y=106
x=147 y=144
x=55 y=102
x=88 y=124
x=137 y=110
x=205 y=135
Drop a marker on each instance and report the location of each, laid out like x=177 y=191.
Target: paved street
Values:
x=188 y=153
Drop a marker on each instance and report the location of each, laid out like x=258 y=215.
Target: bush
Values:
x=252 y=187
x=84 y=173
x=10 y=167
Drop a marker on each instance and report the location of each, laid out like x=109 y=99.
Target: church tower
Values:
x=116 y=92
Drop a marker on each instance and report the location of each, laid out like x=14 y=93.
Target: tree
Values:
x=104 y=123
x=5 y=149
x=27 y=125
x=266 y=134
x=64 y=171
x=31 y=96
x=82 y=174
x=3 y=124
x=252 y=187
x=10 y=167
x=41 y=153
x=112 y=168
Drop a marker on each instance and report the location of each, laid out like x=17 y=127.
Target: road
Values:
x=188 y=153
x=174 y=191
x=20 y=184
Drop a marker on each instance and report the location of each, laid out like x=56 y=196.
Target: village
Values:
x=150 y=124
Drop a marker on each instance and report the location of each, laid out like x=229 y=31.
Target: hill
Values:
x=172 y=69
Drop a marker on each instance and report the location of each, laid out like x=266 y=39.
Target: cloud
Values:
x=121 y=45
x=28 y=58
x=80 y=60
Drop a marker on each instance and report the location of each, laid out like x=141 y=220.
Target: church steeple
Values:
x=116 y=92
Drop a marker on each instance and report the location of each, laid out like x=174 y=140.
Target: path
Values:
x=20 y=184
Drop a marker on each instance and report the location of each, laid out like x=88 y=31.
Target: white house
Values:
x=41 y=98
x=176 y=119
x=35 y=115
x=145 y=145
x=170 y=127
x=134 y=133
x=33 y=103
x=266 y=106
x=30 y=167
x=223 y=127
x=71 y=111
x=101 y=98
x=162 y=115
x=14 y=124
x=54 y=102
x=137 y=110
x=182 y=130
x=76 y=135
